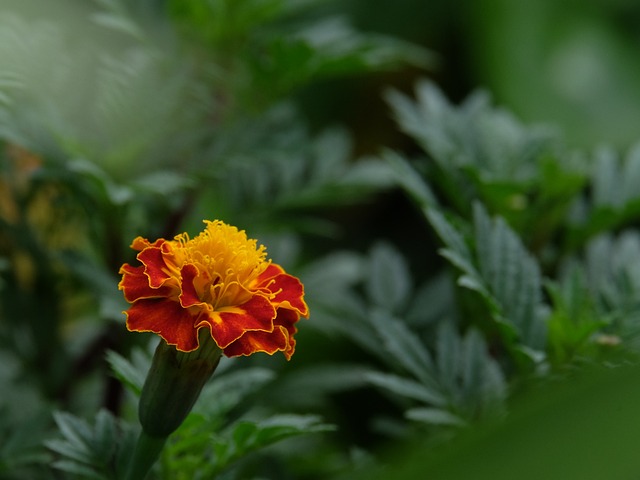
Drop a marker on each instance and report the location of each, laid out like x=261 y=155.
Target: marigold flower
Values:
x=220 y=281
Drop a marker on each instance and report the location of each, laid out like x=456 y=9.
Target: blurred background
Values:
x=356 y=139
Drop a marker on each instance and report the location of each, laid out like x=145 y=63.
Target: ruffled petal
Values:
x=191 y=282
x=213 y=281
x=230 y=323
x=288 y=290
x=166 y=318
x=268 y=342
x=154 y=266
x=140 y=243
x=287 y=319
x=289 y=293
x=272 y=270
x=135 y=284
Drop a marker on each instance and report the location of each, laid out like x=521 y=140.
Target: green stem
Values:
x=146 y=453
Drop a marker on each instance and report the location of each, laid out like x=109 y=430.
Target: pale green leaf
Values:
x=130 y=375
x=406 y=388
x=388 y=279
x=75 y=468
x=435 y=416
x=404 y=346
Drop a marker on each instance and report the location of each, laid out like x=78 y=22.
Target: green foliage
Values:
x=560 y=431
x=247 y=38
x=505 y=276
x=479 y=152
x=21 y=452
x=480 y=260
x=185 y=457
x=446 y=382
x=614 y=201
x=295 y=175
x=97 y=452
x=217 y=434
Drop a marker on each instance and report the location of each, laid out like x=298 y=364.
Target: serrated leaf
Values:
x=512 y=275
x=333 y=147
x=126 y=372
x=475 y=283
x=410 y=180
x=105 y=438
x=338 y=270
x=247 y=436
x=125 y=446
x=403 y=345
x=78 y=469
x=88 y=451
x=388 y=283
x=489 y=141
x=433 y=301
x=279 y=427
x=450 y=236
x=75 y=431
x=448 y=355
x=218 y=398
x=474 y=357
x=406 y=387
x=69 y=450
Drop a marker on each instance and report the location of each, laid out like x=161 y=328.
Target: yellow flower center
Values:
x=227 y=262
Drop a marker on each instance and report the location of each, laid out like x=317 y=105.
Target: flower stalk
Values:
x=212 y=295
x=145 y=454
x=173 y=385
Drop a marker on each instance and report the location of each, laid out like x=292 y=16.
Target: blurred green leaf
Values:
x=248 y=436
x=130 y=373
x=388 y=278
x=553 y=432
x=581 y=64
x=434 y=416
x=406 y=387
x=87 y=451
x=403 y=345
x=196 y=450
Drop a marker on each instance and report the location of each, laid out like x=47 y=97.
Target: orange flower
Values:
x=219 y=280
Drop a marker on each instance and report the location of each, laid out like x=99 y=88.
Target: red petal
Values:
x=140 y=243
x=289 y=293
x=155 y=266
x=189 y=296
x=268 y=342
x=272 y=270
x=287 y=319
x=166 y=318
x=230 y=323
x=135 y=284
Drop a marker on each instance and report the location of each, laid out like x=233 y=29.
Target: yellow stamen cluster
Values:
x=227 y=260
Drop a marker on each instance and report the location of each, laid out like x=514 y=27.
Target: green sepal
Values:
x=173 y=385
